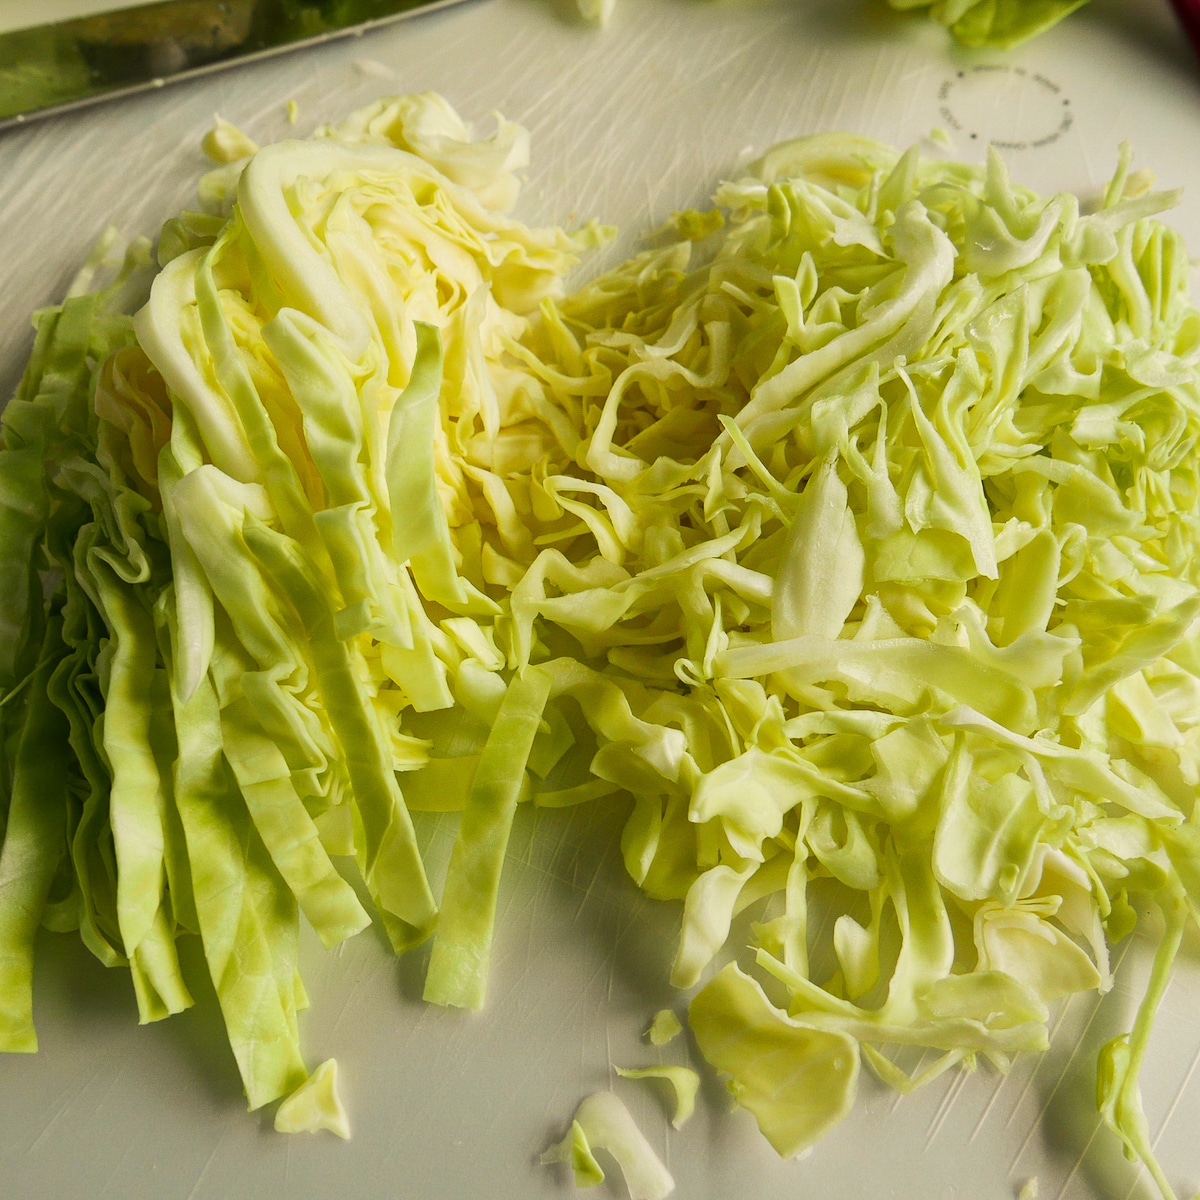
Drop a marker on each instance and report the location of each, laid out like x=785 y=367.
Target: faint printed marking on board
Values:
x=1005 y=105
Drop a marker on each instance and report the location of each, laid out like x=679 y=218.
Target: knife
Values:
x=53 y=68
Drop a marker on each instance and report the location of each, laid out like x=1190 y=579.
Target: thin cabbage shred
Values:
x=684 y=1083
x=848 y=539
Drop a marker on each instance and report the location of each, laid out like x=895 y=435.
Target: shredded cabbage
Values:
x=849 y=538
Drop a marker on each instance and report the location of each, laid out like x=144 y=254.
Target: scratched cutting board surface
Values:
x=627 y=125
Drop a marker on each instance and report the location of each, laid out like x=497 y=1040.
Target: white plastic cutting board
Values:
x=628 y=125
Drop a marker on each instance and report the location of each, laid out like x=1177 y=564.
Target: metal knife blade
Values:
x=53 y=68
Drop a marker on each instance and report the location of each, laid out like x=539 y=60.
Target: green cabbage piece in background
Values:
x=994 y=24
x=979 y=24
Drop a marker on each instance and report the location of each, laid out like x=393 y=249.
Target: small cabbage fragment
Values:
x=602 y=1122
x=314 y=1105
x=664 y=1028
x=574 y=1149
x=226 y=143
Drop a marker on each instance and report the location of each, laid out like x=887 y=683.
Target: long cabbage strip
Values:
x=848 y=538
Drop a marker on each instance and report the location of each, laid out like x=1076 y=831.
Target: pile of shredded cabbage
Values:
x=849 y=536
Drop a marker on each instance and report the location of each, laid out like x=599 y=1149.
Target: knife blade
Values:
x=53 y=68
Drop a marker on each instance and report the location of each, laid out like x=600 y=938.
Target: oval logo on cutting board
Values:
x=1009 y=106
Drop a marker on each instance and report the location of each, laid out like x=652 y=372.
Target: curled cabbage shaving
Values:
x=603 y=1122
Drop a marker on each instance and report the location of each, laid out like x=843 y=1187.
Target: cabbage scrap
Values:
x=665 y=1027
x=315 y=1105
x=848 y=539
x=602 y=1121
x=683 y=1081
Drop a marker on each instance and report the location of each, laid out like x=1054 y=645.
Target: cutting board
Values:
x=628 y=124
